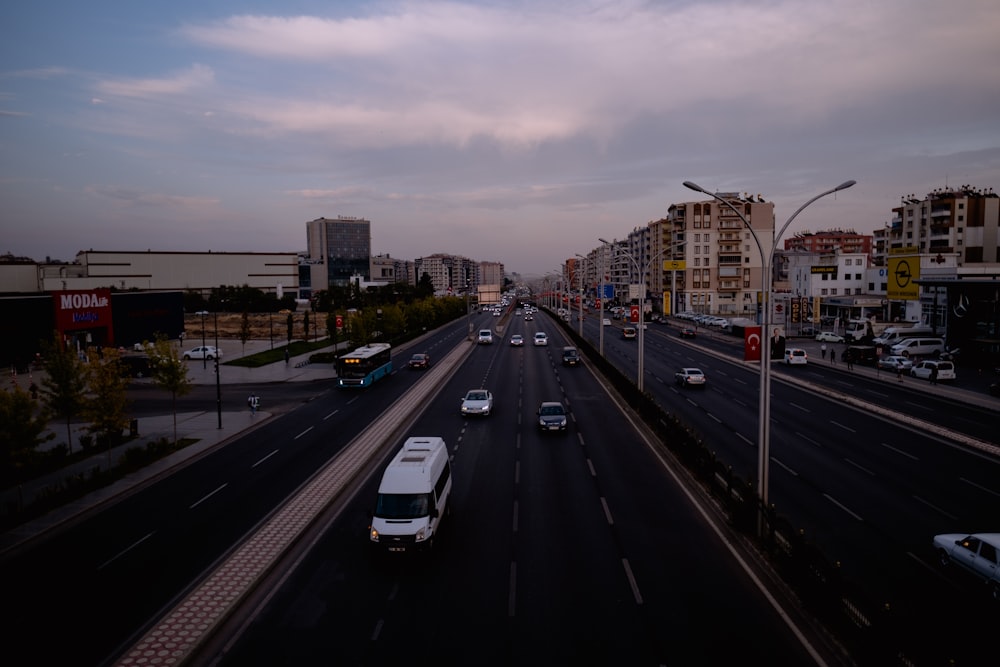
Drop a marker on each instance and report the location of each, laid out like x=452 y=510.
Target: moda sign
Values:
x=83 y=309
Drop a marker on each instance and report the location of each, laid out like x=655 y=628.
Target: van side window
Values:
x=442 y=480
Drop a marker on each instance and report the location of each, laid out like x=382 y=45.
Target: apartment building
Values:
x=830 y=240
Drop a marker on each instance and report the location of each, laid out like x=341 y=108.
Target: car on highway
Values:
x=528 y=317
x=978 y=553
x=477 y=402
x=541 y=338
x=796 y=356
x=924 y=369
x=570 y=356
x=420 y=361
x=517 y=340
x=203 y=352
x=690 y=377
x=895 y=362
x=485 y=337
x=605 y=322
x=629 y=332
x=829 y=337
x=552 y=416
x=687 y=332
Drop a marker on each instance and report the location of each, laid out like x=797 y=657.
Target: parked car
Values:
x=420 y=361
x=919 y=347
x=895 y=362
x=541 y=338
x=808 y=331
x=690 y=377
x=203 y=352
x=863 y=355
x=551 y=416
x=829 y=337
x=517 y=340
x=687 y=332
x=978 y=553
x=477 y=402
x=796 y=356
x=923 y=370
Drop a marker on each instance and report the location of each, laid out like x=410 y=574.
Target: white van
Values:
x=918 y=347
x=412 y=497
x=893 y=335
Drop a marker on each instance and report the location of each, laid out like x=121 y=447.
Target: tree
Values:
x=21 y=429
x=168 y=372
x=245 y=330
x=106 y=403
x=64 y=386
x=291 y=327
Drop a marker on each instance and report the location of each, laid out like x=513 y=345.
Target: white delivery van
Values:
x=894 y=335
x=412 y=496
x=918 y=347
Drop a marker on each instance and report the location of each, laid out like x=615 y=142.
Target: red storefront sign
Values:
x=83 y=309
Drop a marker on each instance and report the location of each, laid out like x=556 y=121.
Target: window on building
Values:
x=833 y=291
x=826 y=276
x=706 y=261
x=697 y=261
x=697 y=250
x=857 y=290
x=822 y=292
x=871 y=287
x=697 y=238
x=707 y=239
x=857 y=276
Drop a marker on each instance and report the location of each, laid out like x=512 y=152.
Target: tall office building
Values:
x=338 y=248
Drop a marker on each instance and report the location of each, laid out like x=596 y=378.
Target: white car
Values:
x=978 y=553
x=485 y=337
x=690 y=377
x=203 y=352
x=517 y=340
x=541 y=338
x=796 y=356
x=477 y=402
x=923 y=370
x=829 y=337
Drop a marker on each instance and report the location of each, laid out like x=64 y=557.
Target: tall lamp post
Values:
x=580 y=311
x=673 y=278
x=764 y=409
x=642 y=298
x=601 y=288
x=204 y=357
x=218 y=383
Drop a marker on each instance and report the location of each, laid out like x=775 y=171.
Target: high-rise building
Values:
x=338 y=249
x=723 y=268
x=964 y=221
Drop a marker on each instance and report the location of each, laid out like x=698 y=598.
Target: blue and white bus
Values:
x=364 y=366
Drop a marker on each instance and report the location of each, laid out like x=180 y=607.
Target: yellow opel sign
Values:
x=903 y=275
x=674 y=264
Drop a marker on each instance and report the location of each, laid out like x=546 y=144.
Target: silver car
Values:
x=477 y=402
x=978 y=553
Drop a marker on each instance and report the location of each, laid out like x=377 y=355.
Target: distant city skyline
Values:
x=500 y=131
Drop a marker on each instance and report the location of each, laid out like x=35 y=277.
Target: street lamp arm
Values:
x=842 y=186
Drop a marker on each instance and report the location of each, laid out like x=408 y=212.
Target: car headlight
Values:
x=372 y=534
x=421 y=535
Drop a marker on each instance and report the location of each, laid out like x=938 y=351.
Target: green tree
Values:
x=22 y=426
x=107 y=402
x=245 y=330
x=169 y=372
x=64 y=387
x=425 y=288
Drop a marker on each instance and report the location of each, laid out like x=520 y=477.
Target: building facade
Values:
x=338 y=248
x=831 y=240
x=722 y=258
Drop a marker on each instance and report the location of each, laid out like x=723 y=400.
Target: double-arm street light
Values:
x=642 y=299
x=204 y=357
x=764 y=416
x=580 y=311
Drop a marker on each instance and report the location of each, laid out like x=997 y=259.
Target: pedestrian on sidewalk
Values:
x=849 y=358
x=899 y=373
x=933 y=374
x=822 y=350
x=286 y=356
x=833 y=356
x=254 y=402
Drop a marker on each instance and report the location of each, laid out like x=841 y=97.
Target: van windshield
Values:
x=402 y=505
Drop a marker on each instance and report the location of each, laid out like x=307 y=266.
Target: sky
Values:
x=513 y=131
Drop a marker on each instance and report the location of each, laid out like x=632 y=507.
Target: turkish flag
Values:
x=634 y=313
x=751 y=344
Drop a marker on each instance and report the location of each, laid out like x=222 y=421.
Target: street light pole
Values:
x=580 y=311
x=764 y=416
x=204 y=357
x=218 y=382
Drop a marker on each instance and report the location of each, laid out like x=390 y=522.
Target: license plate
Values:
x=397 y=548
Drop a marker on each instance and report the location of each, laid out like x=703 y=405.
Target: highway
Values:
x=575 y=548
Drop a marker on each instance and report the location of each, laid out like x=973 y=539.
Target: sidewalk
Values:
x=200 y=426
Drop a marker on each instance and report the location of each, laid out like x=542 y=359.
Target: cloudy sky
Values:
x=514 y=131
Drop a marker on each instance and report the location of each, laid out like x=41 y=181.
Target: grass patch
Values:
x=295 y=348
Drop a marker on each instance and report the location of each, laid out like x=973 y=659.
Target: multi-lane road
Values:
x=582 y=547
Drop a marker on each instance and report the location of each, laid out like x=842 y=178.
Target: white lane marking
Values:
x=841 y=506
x=259 y=461
x=631 y=581
x=125 y=551
x=303 y=433
x=207 y=496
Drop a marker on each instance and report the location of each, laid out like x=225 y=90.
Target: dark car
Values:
x=687 y=332
x=570 y=357
x=420 y=361
x=865 y=355
x=552 y=416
